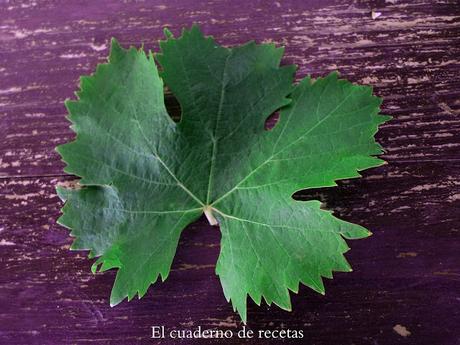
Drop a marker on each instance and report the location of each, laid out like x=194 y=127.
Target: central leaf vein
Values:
x=216 y=127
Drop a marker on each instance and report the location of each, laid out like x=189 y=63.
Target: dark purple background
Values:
x=407 y=274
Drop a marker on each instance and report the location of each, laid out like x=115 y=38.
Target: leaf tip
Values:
x=115 y=44
x=243 y=316
x=164 y=276
x=168 y=34
x=195 y=27
x=61 y=192
x=334 y=75
x=115 y=300
x=116 y=50
x=386 y=118
x=58 y=149
x=287 y=307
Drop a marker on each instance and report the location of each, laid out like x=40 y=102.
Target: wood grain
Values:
x=406 y=277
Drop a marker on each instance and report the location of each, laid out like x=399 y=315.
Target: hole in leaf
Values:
x=172 y=105
x=271 y=120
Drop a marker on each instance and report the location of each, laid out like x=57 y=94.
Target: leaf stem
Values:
x=209 y=216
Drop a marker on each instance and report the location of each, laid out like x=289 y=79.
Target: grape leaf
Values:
x=144 y=178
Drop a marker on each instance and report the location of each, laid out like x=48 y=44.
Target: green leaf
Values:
x=144 y=178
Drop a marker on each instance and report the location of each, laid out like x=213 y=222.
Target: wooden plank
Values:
x=406 y=274
x=409 y=54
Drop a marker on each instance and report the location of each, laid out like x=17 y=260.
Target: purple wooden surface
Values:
x=407 y=274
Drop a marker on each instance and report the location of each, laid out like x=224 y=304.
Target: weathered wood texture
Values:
x=407 y=274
